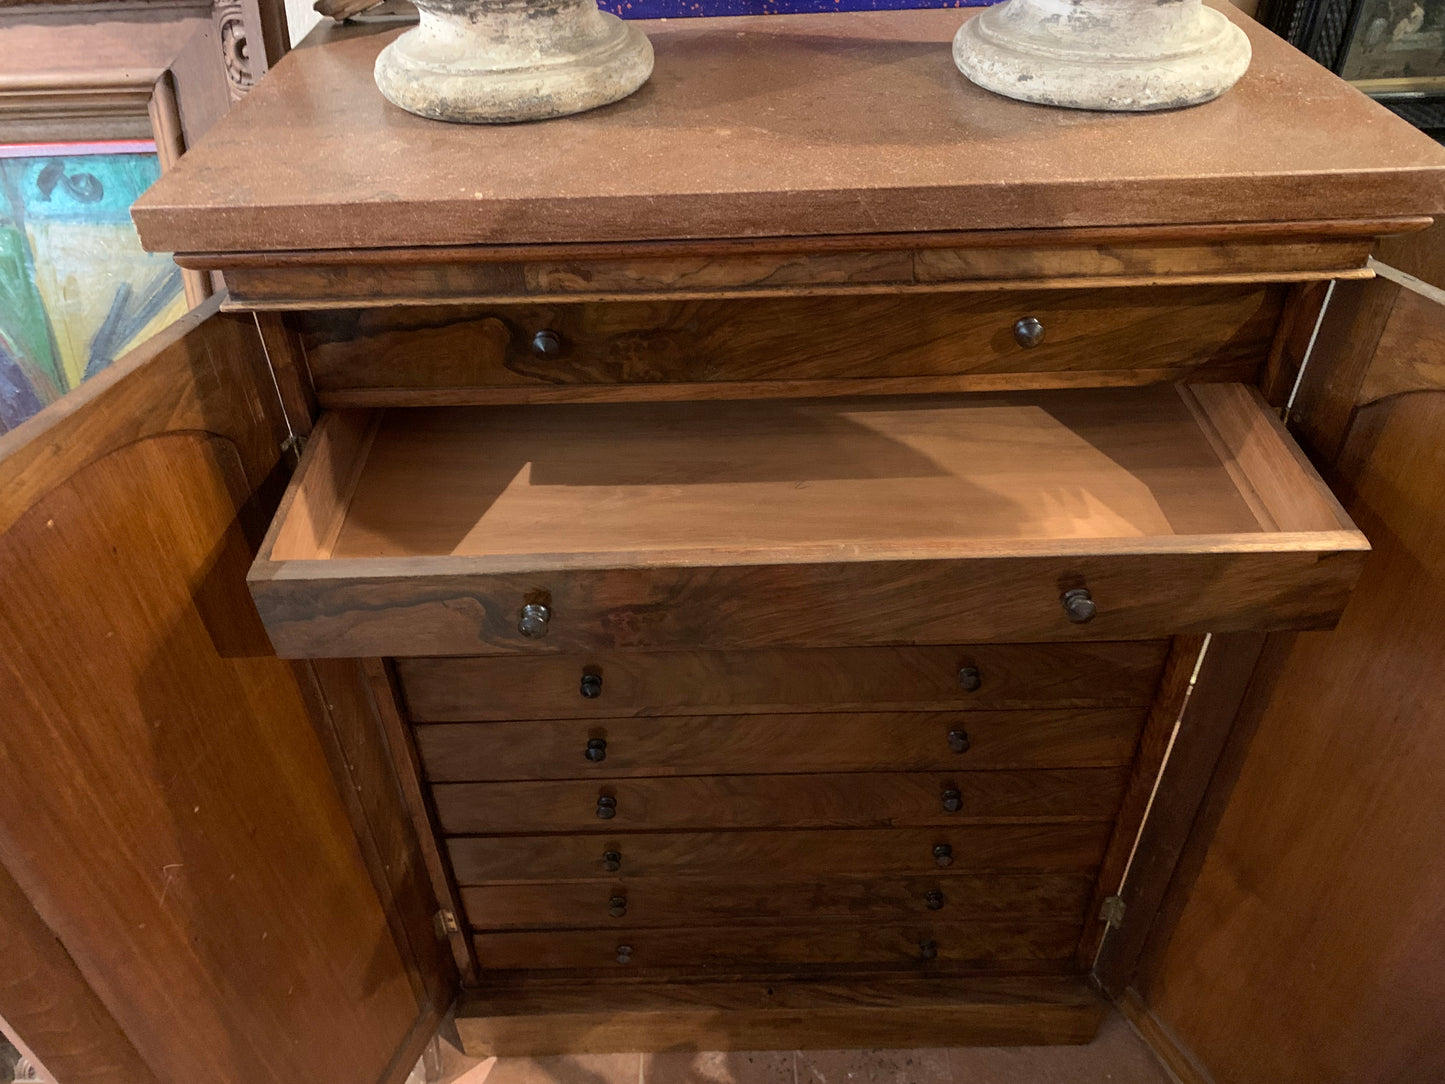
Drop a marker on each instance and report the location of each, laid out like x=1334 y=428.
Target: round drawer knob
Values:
x=532 y=620
x=942 y=855
x=928 y=950
x=958 y=741
x=596 y=750
x=591 y=686
x=952 y=801
x=547 y=344
x=1079 y=605
x=969 y=679
x=612 y=861
x=617 y=906
x=934 y=900
x=606 y=807
x=624 y=954
x=1029 y=332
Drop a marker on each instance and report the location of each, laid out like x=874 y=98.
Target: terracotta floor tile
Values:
x=718 y=1067
x=1116 y=1056
x=873 y=1067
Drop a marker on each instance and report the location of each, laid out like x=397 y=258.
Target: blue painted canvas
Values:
x=76 y=290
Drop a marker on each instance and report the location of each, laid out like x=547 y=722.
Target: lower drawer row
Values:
x=785 y=856
x=710 y=803
x=1002 y=944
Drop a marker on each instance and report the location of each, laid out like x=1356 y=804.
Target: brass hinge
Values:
x=445 y=924
x=1111 y=912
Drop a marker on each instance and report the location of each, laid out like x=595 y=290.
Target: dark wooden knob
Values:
x=1079 y=605
x=969 y=679
x=624 y=954
x=591 y=686
x=547 y=344
x=934 y=900
x=928 y=950
x=532 y=620
x=1029 y=332
x=952 y=800
x=617 y=906
x=612 y=861
x=942 y=854
x=958 y=741
x=596 y=750
x=606 y=807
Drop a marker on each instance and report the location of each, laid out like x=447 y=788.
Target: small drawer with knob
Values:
x=760 y=744
x=815 y=345
x=862 y=800
x=786 y=855
x=667 y=902
x=1001 y=944
x=622 y=683
x=1088 y=515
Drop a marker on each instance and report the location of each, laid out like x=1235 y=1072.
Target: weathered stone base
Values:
x=502 y=61
x=1117 y=55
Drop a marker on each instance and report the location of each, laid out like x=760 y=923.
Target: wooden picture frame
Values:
x=160 y=70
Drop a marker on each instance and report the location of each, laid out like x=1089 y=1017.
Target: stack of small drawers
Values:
x=892 y=808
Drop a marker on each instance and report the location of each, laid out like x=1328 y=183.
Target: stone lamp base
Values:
x=501 y=61
x=1118 y=55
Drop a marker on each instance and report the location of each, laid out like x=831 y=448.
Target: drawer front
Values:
x=686 y=682
x=387 y=355
x=1096 y=515
x=592 y=749
x=787 y=855
x=873 y=800
x=997 y=944
x=657 y=903
x=1003 y=600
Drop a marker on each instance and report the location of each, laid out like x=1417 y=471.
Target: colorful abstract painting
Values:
x=76 y=290
x=682 y=9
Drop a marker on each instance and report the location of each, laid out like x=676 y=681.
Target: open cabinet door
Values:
x=186 y=894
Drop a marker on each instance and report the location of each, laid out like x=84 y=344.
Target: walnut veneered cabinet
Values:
x=732 y=569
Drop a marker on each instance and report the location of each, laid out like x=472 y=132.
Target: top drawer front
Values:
x=694 y=682
x=790 y=346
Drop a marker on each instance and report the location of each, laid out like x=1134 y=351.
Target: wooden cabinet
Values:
x=753 y=583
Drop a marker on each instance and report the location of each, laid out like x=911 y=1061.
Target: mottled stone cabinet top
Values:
x=854 y=123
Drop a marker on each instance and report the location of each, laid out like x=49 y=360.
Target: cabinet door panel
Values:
x=178 y=829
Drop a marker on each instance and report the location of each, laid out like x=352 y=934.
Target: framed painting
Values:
x=96 y=100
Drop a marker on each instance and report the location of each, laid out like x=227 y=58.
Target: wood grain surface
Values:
x=1201 y=333
x=658 y=902
x=876 y=800
x=178 y=828
x=787 y=855
x=997 y=944
x=727 y=744
x=1283 y=965
x=729 y=682
x=814 y=523
x=731 y=137
x=886 y=1012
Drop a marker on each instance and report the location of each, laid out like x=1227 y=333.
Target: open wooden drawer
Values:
x=1096 y=514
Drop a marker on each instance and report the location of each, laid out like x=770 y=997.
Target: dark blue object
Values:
x=688 y=9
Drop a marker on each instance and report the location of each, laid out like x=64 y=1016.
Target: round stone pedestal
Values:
x=1125 y=55
x=500 y=61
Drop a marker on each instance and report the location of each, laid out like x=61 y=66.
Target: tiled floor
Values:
x=1117 y=1056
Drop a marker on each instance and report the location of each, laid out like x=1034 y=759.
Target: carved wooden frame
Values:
x=165 y=70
